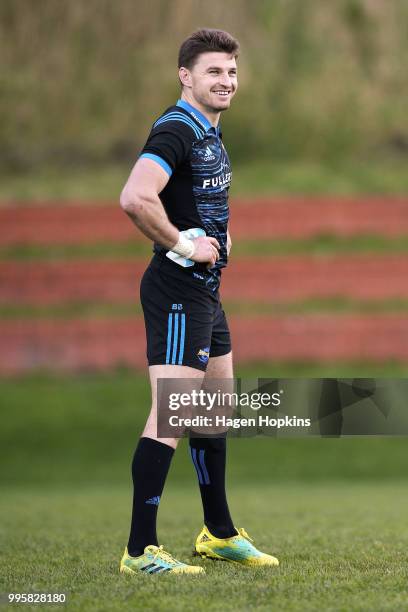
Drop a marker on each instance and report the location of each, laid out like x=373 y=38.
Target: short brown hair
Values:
x=203 y=41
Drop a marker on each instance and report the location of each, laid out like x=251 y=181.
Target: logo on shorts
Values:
x=204 y=354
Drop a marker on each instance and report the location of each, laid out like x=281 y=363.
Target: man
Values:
x=180 y=182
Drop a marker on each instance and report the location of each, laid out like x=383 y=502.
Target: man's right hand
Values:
x=206 y=250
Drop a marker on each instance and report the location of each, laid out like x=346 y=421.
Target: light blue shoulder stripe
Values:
x=158 y=160
x=199 y=133
x=174 y=116
x=178 y=115
x=196 y=132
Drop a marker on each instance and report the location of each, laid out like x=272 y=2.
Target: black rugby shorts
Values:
x=185 y=322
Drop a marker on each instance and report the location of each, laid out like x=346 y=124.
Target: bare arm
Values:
x=140 y=201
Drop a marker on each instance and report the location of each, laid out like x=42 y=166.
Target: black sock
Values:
x=208 y=455
x=150 y=466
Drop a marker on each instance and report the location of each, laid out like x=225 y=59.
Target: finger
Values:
x=215 y=253
x=214 y=242
x=213 y=259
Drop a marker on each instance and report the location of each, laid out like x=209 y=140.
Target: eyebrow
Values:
x=218 y=68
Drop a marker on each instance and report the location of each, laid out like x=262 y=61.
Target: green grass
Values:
x=94 y=310
x=310 y=369
x=335 y=305
x=74 y=429
x=341 y=547
x=263 y=177
x=323 y=246
x=74 y=183
x=67 y=310
x=259 y=177
x=332 y=510
x=61 y=252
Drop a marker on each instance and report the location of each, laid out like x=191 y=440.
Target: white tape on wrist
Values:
x=186 y=237
x=184 y=247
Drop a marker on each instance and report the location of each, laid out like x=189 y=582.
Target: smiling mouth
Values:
x=222 y=93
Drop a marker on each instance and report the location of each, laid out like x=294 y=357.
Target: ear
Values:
x=185 y=77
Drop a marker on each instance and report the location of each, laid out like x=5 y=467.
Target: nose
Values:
x=225 y=80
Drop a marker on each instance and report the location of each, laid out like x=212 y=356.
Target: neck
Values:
x=213 y=117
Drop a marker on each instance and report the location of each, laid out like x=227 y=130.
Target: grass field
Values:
x=333 y=510
x=94 y=310
x=318 y=246
x=341 y=546
x=82 y=429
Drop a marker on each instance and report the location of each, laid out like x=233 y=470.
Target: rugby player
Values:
x=180 y=182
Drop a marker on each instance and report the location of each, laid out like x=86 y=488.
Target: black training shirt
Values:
x=191 y=151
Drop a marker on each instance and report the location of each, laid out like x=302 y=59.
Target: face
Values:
x=212 y=81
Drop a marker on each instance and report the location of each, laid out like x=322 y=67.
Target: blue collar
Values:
x=198 y=116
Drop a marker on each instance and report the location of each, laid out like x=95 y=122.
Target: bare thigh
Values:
x=166 y=371
x=220 y=367
x=219 y=378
